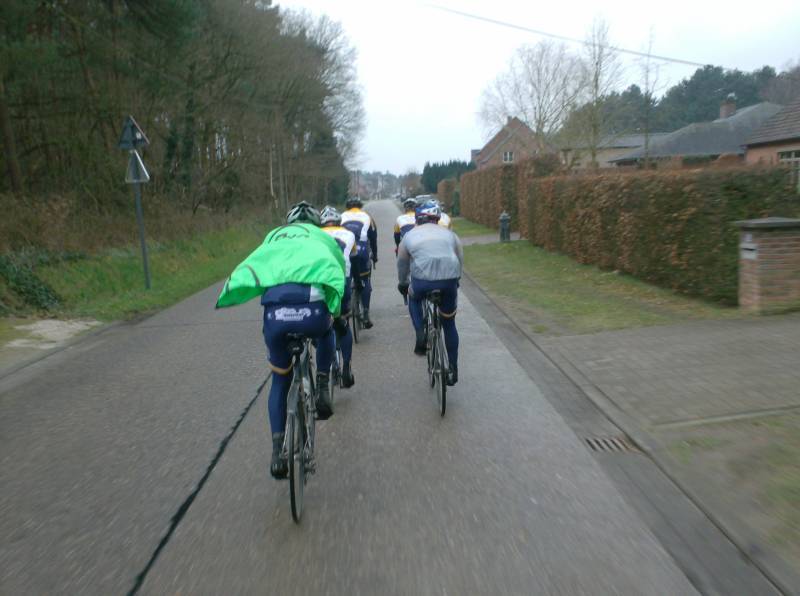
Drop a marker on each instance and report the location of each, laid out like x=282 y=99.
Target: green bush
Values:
x=22 y=281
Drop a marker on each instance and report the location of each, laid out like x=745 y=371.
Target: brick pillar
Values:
x=769 y=265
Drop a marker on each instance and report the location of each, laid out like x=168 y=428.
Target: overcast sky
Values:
x=422 y=70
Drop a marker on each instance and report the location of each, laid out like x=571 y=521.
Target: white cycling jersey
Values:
x=354 y=217
x=404 y=223
x=444 y=220
x=346 y=241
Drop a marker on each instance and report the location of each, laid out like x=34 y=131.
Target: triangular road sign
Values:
x=132 y=136
x=137 y=173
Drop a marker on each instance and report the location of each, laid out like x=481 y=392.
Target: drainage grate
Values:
x=620 y=443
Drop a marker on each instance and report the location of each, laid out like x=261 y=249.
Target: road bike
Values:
x=436 y=350
x=301 y=412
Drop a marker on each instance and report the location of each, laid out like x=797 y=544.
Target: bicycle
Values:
x=300 y=422
x=436 y=351
x=337 y=366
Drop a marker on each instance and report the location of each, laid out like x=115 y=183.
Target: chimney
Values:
x=728 y=107
x=508 y=120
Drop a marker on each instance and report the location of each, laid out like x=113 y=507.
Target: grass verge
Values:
x=754 y=467
x=466 y=228
x=111 y=286
x=555 y=295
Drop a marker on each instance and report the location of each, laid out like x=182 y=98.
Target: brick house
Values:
x=704 y=142
x=512 y=143
x=778 y=140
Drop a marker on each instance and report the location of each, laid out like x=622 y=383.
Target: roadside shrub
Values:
x=485 y=194
x=671 y=228
x=445 y=191
x=22 y=281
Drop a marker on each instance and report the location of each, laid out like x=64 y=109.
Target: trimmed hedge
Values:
x=445 y=191
x=672 y=228
x=485 y=194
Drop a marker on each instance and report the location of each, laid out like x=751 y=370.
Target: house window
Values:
x=792 y=159
x=508 y=157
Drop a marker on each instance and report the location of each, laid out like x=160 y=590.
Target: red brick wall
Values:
x=771 y=281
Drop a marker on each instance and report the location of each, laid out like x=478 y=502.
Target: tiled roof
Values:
x=514 y=127
x=783 y=126
x=724 y=135
x=621 y=141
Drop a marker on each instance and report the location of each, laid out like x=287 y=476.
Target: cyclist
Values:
x=331 y=220
x=433 y=256
x=299 y=272
x=363 y=227
x=405 y=221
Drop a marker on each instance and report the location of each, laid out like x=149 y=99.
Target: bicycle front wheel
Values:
x=295 y=438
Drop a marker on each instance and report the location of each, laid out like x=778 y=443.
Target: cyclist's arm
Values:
x=459 y=249
x=396 y=234
x=372 y=236
x=403 y=262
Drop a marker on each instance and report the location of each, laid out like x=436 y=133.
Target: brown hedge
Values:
x=671 y=228
x=445 y=191
x=485 y=194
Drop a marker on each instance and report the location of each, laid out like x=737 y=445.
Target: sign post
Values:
x=132 y=138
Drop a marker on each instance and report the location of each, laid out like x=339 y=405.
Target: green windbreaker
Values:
x=294 y=253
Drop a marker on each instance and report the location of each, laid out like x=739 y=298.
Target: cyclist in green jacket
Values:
x=299 y=272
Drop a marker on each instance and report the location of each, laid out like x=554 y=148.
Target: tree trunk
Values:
x=9 y=145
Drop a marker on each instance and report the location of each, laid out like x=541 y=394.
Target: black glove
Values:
x=403 y=289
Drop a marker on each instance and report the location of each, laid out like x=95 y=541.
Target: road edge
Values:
x=774 y=569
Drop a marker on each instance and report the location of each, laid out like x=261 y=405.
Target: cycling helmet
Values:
x=410 y=203
x=303 y=213
x=427 y=212
x=354 y=202
x=329 y=216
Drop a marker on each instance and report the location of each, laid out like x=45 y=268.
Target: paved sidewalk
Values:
x=717 y=405
x=692 y=373
x=486 y=239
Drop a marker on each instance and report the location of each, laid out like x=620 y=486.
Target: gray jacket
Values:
x=430 y=252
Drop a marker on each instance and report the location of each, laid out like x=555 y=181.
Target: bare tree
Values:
x=785 y=88
x=541 y=86
x=650 y=78
x=603 y=71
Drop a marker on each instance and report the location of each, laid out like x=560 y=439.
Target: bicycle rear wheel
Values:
x=430 y=351
x=295 y=438
x=441 y=368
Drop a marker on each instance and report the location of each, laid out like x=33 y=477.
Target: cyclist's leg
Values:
x=447 y=313
x=366 y=282
x=345 y=335
x=416 y=293
x=355 y=271
x=281 y=364
x=320 y=327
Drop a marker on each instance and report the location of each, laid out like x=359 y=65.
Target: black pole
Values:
x=137 y=191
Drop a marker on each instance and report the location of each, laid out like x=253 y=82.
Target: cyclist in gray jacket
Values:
x=433 y=257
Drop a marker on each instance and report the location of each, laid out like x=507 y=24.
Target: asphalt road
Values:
x=143 y=453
